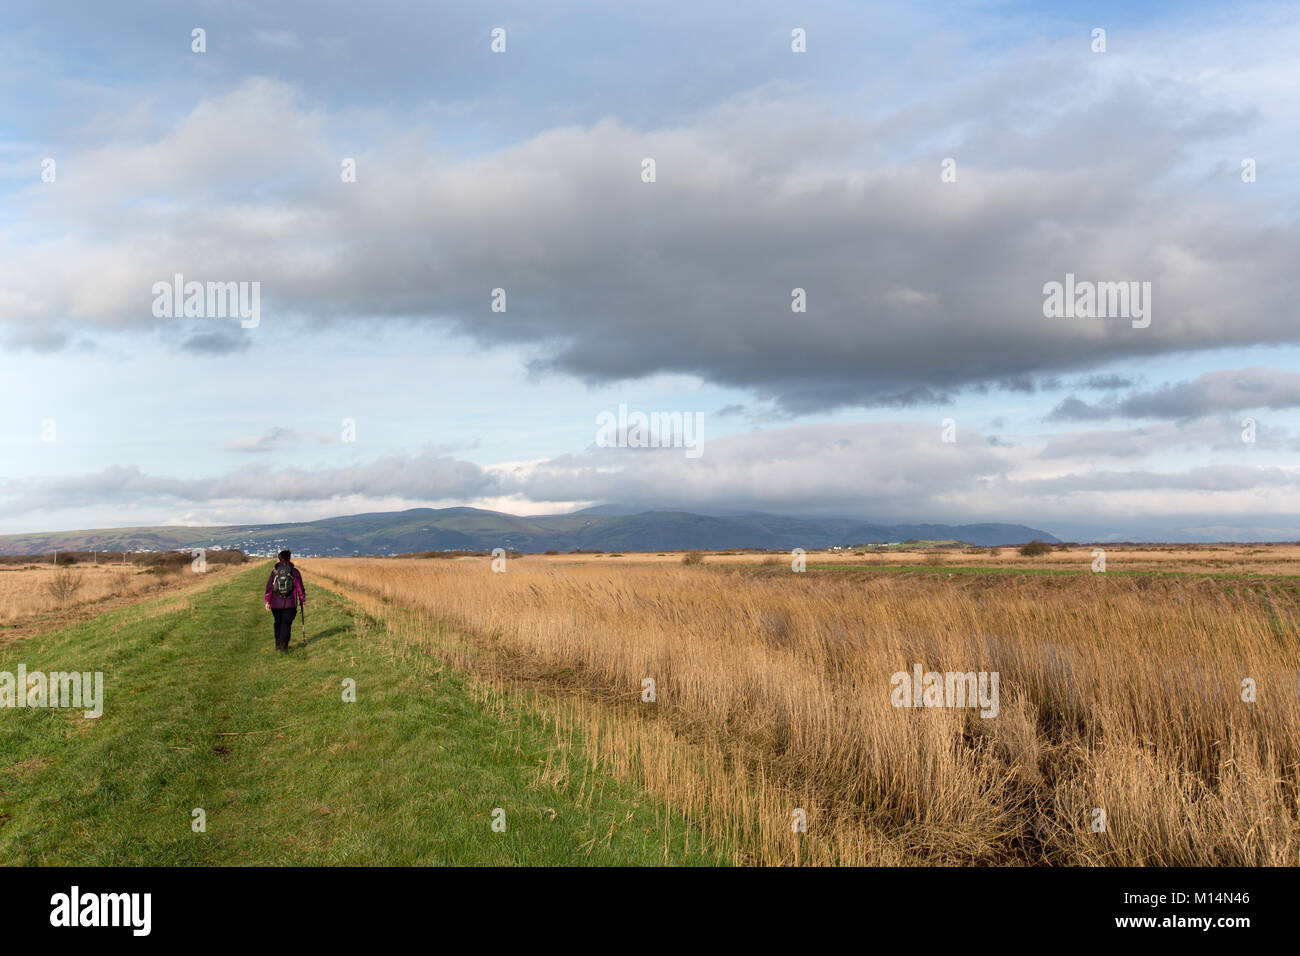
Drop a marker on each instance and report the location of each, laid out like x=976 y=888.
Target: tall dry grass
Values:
x=36 y=590
x=773 y=693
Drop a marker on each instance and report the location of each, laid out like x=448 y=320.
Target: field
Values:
x=1212 y=560
x=1120 y=693
x=37 y=595
x=654 y=709
x=201 y=716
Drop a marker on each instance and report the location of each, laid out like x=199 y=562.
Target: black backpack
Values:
x=282 y=580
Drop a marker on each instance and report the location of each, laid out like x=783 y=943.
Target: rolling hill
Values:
x=448 y=529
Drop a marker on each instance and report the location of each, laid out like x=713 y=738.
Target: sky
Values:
x=838 y=271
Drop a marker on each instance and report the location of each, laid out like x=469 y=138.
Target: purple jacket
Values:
x=281 y=601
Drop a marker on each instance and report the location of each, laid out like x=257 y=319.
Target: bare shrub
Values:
x=64 y=586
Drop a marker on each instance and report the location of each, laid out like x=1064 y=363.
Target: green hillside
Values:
x=450 y=529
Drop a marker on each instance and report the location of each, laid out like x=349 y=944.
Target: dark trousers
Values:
x=283 y=625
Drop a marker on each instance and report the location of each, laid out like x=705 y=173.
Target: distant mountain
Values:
x=451 y=529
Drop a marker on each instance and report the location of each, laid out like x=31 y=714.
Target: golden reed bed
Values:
x=1121 y=702
x=46 y=594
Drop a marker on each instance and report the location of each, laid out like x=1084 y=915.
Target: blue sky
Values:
x=775 y=170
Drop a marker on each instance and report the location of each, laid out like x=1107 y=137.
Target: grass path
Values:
x=200 y=712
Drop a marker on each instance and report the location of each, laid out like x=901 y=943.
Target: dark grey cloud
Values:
x=1215 y=434
x=1025 y=384
x=1074 y=409
x=915 y=288
x=1210 y=393
x=1106 y=382
x=217 y=343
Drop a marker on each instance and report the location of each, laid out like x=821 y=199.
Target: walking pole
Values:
x=302 y=609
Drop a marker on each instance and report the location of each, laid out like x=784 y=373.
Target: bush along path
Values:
x=212 y=749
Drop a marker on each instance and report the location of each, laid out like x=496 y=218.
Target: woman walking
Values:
x=284 y=594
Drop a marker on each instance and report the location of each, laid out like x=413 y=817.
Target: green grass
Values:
x=200 y=712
